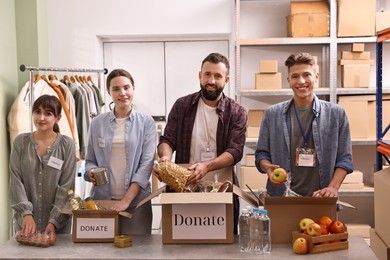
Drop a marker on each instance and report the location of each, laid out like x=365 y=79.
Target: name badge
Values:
x=55 y=163
x=207 y=155
x=305 y=157
x=101 y=142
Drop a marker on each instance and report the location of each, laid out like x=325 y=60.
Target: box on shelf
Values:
x=325 y=243
x=362 y=230
x=199 y=217
x=356 y=19
x=355 y=75
x=250 y=160
x=352 y=186
x=269 y=81
x=354 y=177
x=356 y=62
x=268 y=66
x=361 y=113
x=251 y=176
x=380 y=249
x=95 y=225
x=381 y=204
x=308 y=19
x=350 y=55
x=357 y=47
x=382 y=21
x=252 y=131
x=255 y=117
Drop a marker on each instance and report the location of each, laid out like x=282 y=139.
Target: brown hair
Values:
x=117 y=73
x=49 y=103
x=217 y=58
x=298 y=59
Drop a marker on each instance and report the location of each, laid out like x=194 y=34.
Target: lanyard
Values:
x=305 y=137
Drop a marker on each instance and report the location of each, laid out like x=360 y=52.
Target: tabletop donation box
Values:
x=198 y=217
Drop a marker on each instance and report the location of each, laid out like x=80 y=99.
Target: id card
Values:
x=305 y=157
x=55 y=163
x=207 y=155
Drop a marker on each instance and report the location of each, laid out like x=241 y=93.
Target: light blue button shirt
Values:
x=140 y=146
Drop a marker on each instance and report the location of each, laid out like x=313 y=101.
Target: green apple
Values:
x=305 y=222
x=279 y=175
x=314 y=229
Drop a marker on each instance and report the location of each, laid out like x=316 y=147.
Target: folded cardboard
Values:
x=198 y=218
x=381 y=204
x=268 y=66
x=380 y=249
x=382 y=21
x=356 y=18
x=308 y=19
x=269 y=81
x=255 y=117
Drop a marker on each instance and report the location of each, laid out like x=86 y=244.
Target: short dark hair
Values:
x=298 y=59
x=117 y=73
x=217 y=58
x=49 y=103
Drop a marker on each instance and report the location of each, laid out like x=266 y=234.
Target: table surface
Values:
x=151 y=247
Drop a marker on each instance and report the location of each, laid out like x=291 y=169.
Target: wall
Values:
x=8 y=90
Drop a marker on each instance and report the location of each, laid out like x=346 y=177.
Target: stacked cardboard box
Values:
x=269 y=77
x=356 y=18
x=355 y=65
x=308 y=19
x=361 y=113
x=254 y=122
x=382 y=21
x=380 y=236
x=353 y=181
x=249 y=175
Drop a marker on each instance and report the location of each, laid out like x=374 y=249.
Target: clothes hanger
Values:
x=45 y=78
x=37 y=78
x=89 y=78
x=52 y=77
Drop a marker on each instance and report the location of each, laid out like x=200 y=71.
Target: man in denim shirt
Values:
x=308 y=137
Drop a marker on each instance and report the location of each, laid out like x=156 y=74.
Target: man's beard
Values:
x=212 y=96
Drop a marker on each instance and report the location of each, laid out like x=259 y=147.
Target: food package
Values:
x=174 y=175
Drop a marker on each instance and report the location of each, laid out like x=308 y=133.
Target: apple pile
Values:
x=308 y=226
x=279 y=175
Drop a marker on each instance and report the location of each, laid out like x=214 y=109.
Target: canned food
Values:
x=100 y=175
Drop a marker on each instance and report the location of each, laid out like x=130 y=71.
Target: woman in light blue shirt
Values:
x=123 y=141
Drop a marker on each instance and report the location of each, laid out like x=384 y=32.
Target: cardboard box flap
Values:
x=197 y=198
x=309 y=7
x=345 y=204
x=245 y=196
x=151 y=196
x=106 y=204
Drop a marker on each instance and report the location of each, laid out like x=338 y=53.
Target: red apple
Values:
x=326 y=221
x=314 y=229
x=300 y=246
x=279 y=175
x=305 y=222
x=324 y=229
x=336 y=227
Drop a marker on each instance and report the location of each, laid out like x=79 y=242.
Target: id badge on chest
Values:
x=206 y=155
x=305 y=157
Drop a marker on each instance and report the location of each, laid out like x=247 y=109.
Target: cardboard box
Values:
x=255 y=117
x=252 y=132
x=356 y=19
x=250 y=160
x=381 y=250
x=268 y=66
x=382 y=21
x=362 y=230
x=269 y=81
x=356 y=62
x=308 y=19
x=286 y=212
x=352 y=186
x=249 y=175
x=349 y=55
x=357 y=47
x=361 y=113
x=199 y=218
x=355 y=75
x=381 y=204
x=354 y=177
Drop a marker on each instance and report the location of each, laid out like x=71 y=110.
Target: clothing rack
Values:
x=32 y=69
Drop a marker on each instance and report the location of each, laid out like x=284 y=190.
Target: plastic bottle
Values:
x=255 y=227
x=266 y=231
x=244 y=229
x=75 y=202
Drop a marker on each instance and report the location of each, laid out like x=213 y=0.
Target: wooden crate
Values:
x=324 y=243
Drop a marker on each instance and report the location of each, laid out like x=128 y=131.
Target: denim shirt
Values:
x=140 y=147
x=331 y=134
